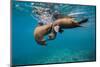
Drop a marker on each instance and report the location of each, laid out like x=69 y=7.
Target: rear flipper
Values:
x=83 y=21
x=78 y=24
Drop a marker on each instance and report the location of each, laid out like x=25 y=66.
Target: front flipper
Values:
x=61 y=31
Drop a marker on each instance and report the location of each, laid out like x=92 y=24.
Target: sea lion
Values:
x=64 y=23
x=40 y=31
x=68 y=22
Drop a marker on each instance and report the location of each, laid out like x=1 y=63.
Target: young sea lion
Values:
x=64 y=23
x=68 y=22
x=40 y=31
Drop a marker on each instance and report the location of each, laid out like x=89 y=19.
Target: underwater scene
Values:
x=70 y=36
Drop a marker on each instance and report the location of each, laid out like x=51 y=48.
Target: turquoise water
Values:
x=73 y=45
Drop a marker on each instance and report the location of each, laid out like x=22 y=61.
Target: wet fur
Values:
x=40 y=32
x=64 y=23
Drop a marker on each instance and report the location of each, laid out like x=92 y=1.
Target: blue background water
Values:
x=77 y=44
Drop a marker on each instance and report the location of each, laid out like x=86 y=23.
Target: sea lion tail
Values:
x=83 y=21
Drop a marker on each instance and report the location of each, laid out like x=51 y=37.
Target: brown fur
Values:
x=66 y=22
x=40 y=32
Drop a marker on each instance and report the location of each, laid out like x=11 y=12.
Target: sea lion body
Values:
x=66 y=22
x=40 y=32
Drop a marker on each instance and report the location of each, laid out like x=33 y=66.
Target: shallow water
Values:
x=73 y=45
